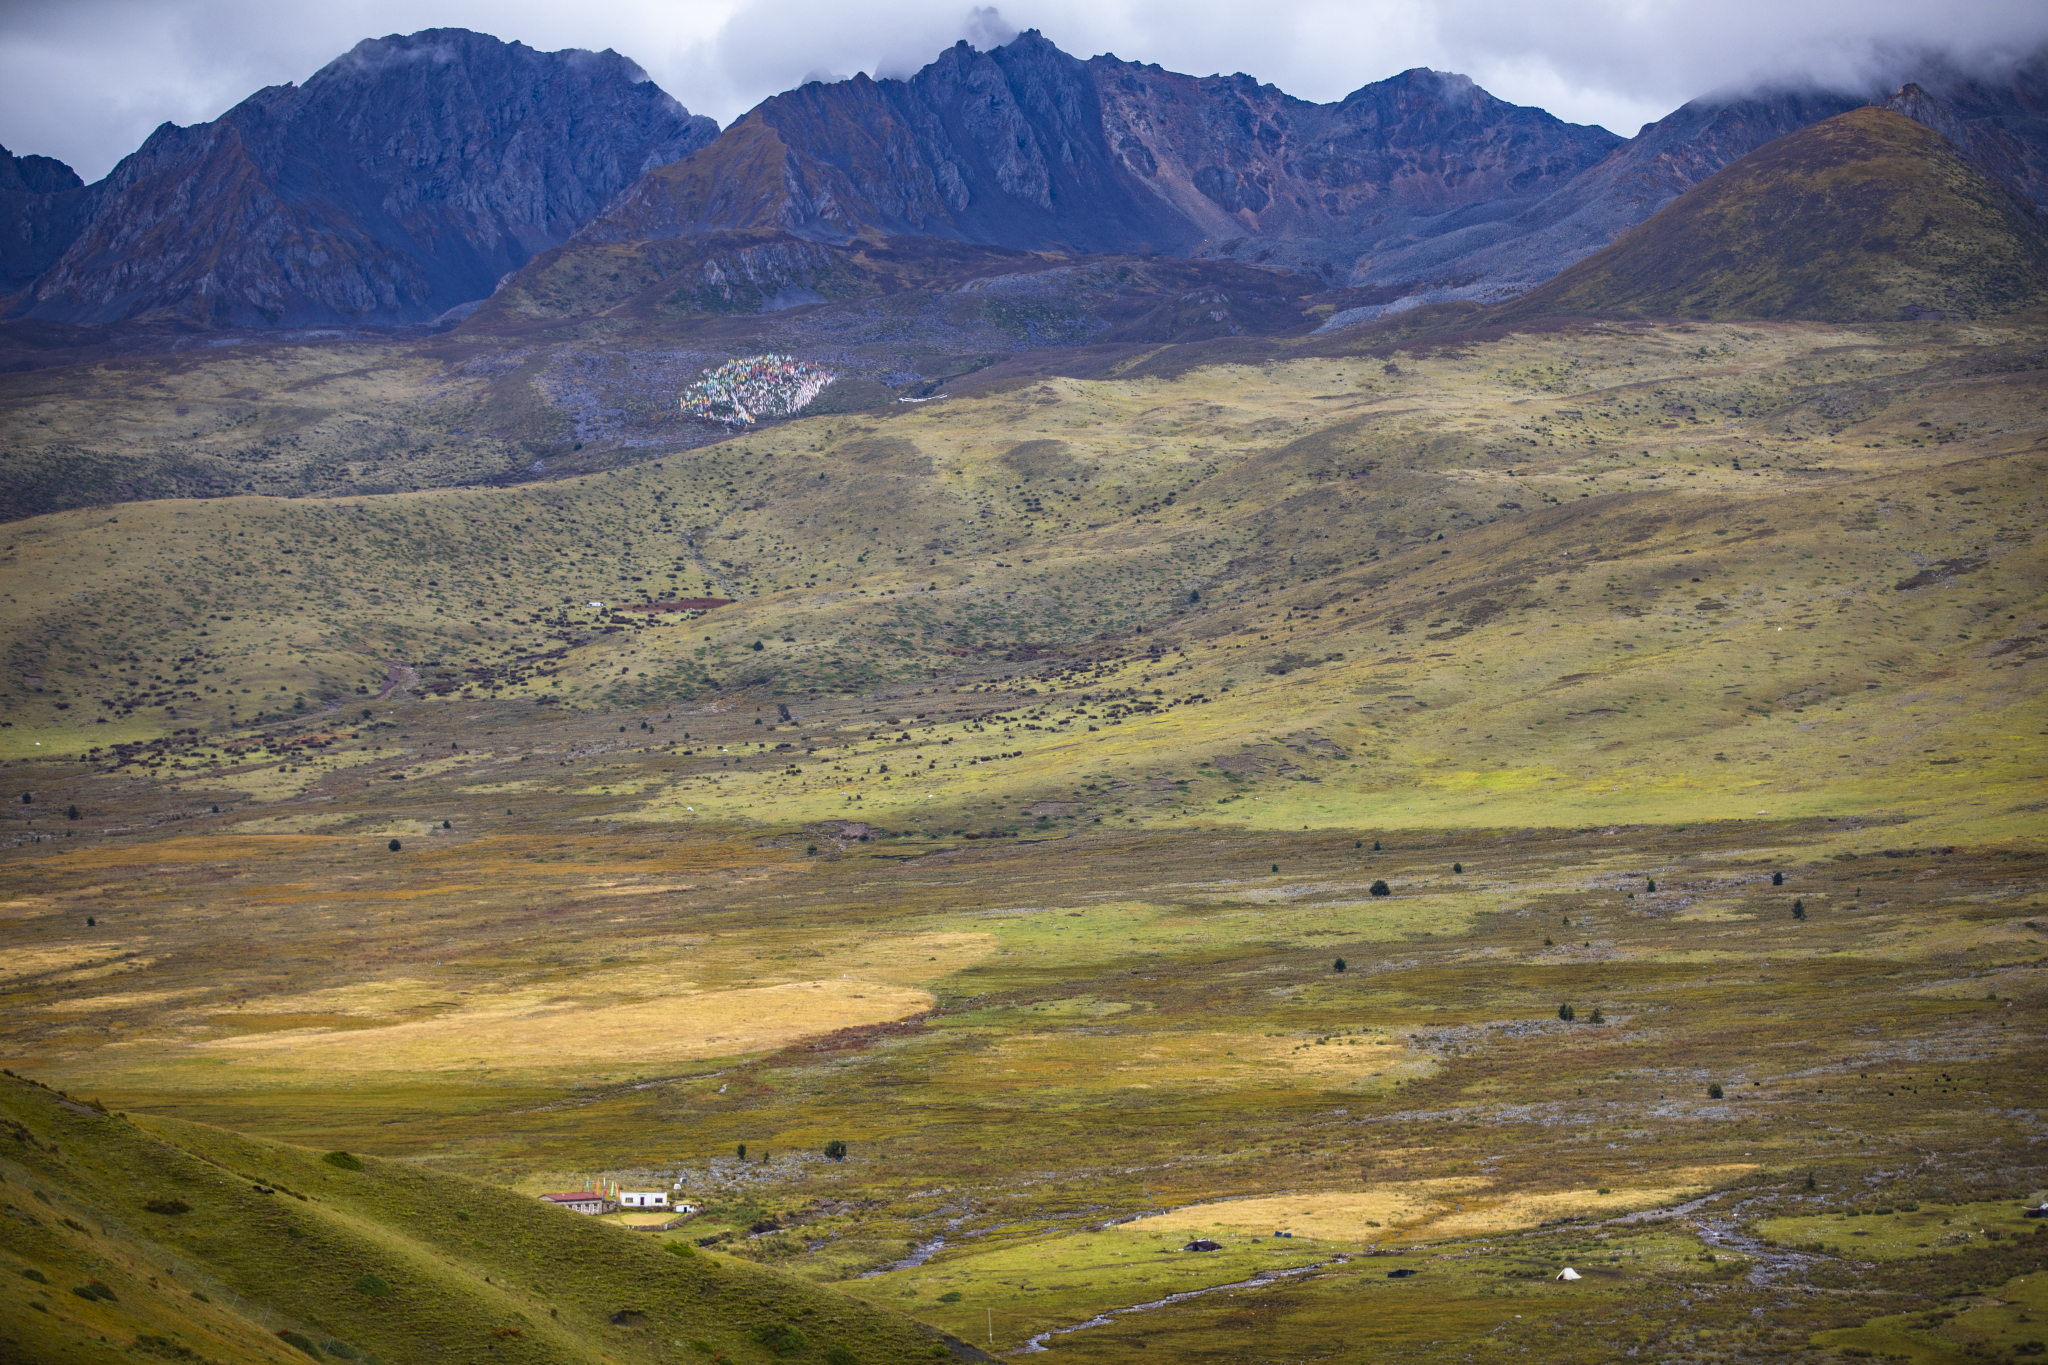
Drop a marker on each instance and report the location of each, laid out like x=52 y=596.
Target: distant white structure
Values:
x=643 y=1199
x=1568 y=1274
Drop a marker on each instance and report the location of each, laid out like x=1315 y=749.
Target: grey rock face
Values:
x=1332 y=188
x=402 y=179
x=1999 y=121
x=43 y=203
x=1025 y=146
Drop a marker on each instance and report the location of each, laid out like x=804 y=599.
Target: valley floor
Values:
x=1420 y=822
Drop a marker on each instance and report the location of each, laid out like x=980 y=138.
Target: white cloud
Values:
x=86 y=80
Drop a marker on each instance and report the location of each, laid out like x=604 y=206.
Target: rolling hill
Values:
x=182 y=1242
x=1864 y=217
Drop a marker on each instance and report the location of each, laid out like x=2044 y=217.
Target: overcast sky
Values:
x=86 y=80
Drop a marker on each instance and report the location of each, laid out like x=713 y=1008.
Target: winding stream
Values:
x=1264 y=1277
x=1723 y=1231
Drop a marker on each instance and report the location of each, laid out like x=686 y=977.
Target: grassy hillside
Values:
x=203 y=1245
x=1461 y=589
x=574 y=365
x=1563 y=798
x=1865 y=217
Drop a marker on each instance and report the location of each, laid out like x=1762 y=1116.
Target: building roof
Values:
x=575 y=1197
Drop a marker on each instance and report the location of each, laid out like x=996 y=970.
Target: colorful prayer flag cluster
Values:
x=741 y=392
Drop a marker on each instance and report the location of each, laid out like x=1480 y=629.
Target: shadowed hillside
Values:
x=1865 y=217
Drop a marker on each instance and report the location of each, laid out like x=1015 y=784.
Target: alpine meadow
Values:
x=561 y=696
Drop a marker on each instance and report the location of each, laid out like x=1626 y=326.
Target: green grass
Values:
x=625 y=933
x=380 y=1259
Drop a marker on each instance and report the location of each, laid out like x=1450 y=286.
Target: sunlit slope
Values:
x=1867 y=216
x=1689 y=572
x=190 y=1237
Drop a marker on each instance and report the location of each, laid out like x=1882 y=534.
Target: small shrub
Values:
x=1276 y=867
x=741 y=1150
x=168 y=1206
x=372 y=1287
x=1714 y=1091
x=1799 y=909
x=811 y=849
x=343 y=1160
x=1338 y=965
x=1777 y=879
x=94 y=1291
x=393 y=846
x=951 y=1296
x=1457 y=867
x=1375 y=845
x=341 y=1350
x=1381 y=888
x=840 y=1355
x=1652 y=886
x=1567 y=1013
x=683 y=1249
x=33 y=1274
x=835 y=1150
x=299 y=1340
x=1598 y=1017
x=780 y=1337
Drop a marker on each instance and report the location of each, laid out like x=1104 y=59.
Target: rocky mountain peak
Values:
x=403 y=178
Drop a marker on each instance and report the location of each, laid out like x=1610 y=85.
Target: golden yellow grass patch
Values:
x=1716 y=912
x=540 y=1029
x=34 y=961
x=1453 y=1206
x=1379 y=1214
x=1480 y=1214
x=114 y=1000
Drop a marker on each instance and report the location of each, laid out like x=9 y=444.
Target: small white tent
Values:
x=1568 y=1274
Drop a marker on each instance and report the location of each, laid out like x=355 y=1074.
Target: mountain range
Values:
x=413 y=175
x=406 y=176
